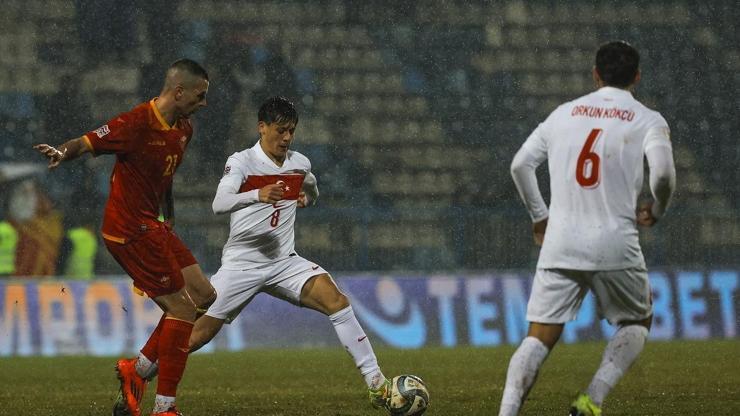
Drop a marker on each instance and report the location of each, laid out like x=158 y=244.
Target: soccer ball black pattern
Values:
x=409 y=396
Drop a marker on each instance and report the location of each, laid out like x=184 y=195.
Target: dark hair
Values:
x=191 y=67
x=617 y=63
x=277 y=109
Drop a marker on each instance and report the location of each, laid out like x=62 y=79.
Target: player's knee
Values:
x=207 y=300
x=184 y=310
x=548 y=334
x=336 y=303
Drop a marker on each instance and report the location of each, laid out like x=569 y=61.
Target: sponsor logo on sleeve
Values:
x=102 y=131
x=227 y=169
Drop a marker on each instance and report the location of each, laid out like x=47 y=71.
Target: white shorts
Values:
x=621 y=295
x=283 y=279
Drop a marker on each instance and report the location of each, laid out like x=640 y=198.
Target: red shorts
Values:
x=154 y=260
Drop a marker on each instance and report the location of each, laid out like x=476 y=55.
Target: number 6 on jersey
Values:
x=589 y=163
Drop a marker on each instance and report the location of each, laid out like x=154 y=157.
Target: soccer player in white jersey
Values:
x=261 y=188
x=595 y=147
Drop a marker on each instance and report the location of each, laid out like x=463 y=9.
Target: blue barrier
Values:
x=104 y=317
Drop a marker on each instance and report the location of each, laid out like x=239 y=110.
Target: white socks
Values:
x=523 y=368
x=163 y=403
x=145 y=368
x=355 y=341
x=620 y=353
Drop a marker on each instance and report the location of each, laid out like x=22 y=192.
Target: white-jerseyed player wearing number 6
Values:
x=595 y=147
x=261 y=188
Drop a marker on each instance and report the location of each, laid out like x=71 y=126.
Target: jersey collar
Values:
x=158 y=115
x=261 y=153
x=615 y=91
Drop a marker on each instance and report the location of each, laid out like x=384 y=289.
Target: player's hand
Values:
x=271 y=194
x=302 y=200
x=645 y=216
x=51 y=152
x=538 y=231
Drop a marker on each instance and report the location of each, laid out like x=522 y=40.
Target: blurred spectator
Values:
x=232 y=52
x=279 y=77
x=8 y=244
x=8 y=240
x=79 y=248
x=78 y=252
x=39 y=228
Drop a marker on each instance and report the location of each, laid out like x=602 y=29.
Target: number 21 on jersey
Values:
x=588 y=168
x=171 y=161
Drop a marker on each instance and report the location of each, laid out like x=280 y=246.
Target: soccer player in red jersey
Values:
x=149 y=142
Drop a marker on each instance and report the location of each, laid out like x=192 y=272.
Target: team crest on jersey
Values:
x=102 y=131
x=227 y=169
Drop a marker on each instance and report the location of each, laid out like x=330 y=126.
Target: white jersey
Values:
x=595 y=147
x=260 y=232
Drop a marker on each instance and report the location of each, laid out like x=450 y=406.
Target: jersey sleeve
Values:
x=536 y=143
x=311 y=188
x=659 y=154
x=120 y=135
x=228 y=199
x=532 y=153
x=658 y=134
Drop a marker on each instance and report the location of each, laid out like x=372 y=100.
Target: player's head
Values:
x=617 y=65
x=277 y=110
x=276 y=122
x=187 y=83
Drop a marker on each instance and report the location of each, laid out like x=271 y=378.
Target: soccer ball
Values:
x=409 y=396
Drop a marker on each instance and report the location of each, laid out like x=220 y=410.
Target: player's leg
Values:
x=146 y=361
x=525 y=364
x=623 y=297
x=205 y=329
x=555 y=299
x=173 y=346
x=321 y=294
x=152 y=265
x=235 y=288
x=196 y=283
x=198 y=288
x=132 y=385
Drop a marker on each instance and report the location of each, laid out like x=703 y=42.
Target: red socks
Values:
x=173 y=353
x=151 y=348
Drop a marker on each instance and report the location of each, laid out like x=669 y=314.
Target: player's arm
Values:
x=523 y=168
x=228 y=198
x=309 y=191
x=168 y=207
x=659 y=154
x=69 y=150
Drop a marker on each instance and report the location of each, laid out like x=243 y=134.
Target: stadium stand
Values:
x=410 y=112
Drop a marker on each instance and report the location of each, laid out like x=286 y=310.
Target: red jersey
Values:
x=148 y=151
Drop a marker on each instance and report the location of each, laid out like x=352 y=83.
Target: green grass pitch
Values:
x=670 y=378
